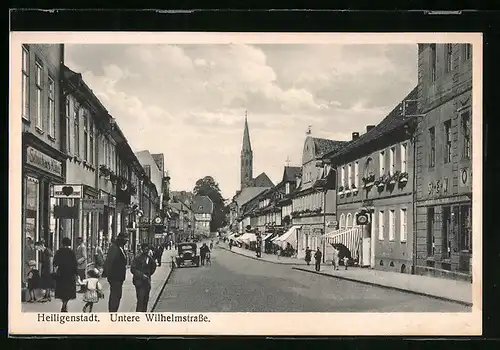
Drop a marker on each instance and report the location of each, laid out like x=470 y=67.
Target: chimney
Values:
x=355 y=136
x=369 y=127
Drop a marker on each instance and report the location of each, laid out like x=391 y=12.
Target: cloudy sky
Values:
x=189 y=101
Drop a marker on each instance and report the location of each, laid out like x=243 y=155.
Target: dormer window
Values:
x=200 y=207
x=287 y=188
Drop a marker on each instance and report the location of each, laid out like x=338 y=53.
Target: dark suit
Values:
x=142 y=268
x=115 y=268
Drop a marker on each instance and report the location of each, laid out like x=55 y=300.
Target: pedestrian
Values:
x=203 y=253
x=93 y=290
x=143 y=267
x=211 y=245
x=81 y=258
x=115 y=268
x=346 y=261
x=33 y=278
x=159 y=254
x=335 y=258
x=308 y=256
x=317 y=257
x=279 y=252
x=46 y=282
x=29 y=255
x=66 y=272
x=99 y=258
x=231 y=244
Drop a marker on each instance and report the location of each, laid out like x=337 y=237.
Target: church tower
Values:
x=246 y=158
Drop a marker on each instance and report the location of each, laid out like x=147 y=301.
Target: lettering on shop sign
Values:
x=42 y=161
x=67 y=191
x=96 y=205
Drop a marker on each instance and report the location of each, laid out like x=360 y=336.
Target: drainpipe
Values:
x=414 y=200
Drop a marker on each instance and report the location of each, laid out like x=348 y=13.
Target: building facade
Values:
x=314 y=201
x=43 y=157
x=203 y=208
x=374 y=174
x=444 y=161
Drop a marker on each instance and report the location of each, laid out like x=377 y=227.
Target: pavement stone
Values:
x=445 y=289
x=128 y=301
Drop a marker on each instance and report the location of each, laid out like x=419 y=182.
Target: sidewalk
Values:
x=271 y=258
x=439 y=288
x=128 y=301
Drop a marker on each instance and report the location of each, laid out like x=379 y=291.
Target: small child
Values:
x=93 y=290
x=33 y=278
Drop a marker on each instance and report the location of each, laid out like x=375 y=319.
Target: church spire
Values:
x=246 y=158
x=247 y=146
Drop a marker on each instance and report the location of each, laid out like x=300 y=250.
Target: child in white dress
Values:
x=93 y=290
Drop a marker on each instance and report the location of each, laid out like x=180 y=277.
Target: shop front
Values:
x=107 y=220
x=43 y=167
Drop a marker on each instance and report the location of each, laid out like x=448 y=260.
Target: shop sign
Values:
x=65 y=212
x=96 y=205
x=158 y=235
x=464 y=177
x=42 y=161
x=306 y=230
x=109 y=200
x=67 y=191
x=317 y=231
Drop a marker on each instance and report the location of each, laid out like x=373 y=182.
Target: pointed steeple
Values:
x=247 y=146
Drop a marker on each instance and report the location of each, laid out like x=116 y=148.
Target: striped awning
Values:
x=351 y=238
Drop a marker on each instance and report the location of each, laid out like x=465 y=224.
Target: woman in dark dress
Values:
x=46 y=281
x=66 y=271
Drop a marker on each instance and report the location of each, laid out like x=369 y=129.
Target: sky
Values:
x=189 y=101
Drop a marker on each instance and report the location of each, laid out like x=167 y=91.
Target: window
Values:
x=356 y=174
x=76 y=128
x=368 y=167
x=287 y=188
x=38 y=96
x=52 y=107
x=25 y=84
x=432 y=153
x=342 y=177
x=348 y=224
x=68 y=124
x=404 y=153
x=449 y=58
x=466 y=131
x=381 y=161
x=403 y=223
x=392 y=224
x=85 y=136
x=392 y=160
x=433 y=62
x=447 y=140
x=349 y=176
x=342 y=222
x=465 y=228
x=430 y=232
x=467 y=52
x=445 y=243
x=381 y=227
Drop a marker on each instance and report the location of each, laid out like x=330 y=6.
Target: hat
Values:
x=32 y=263
x=122 y=236
x=95 y=273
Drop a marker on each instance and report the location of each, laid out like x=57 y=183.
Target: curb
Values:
x=465 y=303
x=259 y=259
x=161 y=290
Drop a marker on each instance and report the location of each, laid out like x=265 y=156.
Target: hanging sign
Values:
x=362 y=218
x=42 y=161
x=67 y=191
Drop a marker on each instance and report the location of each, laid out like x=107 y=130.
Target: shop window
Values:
x=466 y=132
x=430 y=232
x=381 y=225
x=25 y=84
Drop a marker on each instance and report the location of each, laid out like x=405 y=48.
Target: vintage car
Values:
x=187 y=252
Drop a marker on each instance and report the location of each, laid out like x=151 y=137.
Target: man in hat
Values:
x=142 y=268
x=115 y=268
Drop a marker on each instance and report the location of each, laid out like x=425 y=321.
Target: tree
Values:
x=207 y=186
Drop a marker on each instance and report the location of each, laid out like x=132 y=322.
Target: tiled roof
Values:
x=324 y=146
x=290 y=173
x=202 y=205
x=262 y=181
x=393 y=121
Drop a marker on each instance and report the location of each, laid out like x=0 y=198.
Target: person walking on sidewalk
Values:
x=81 y=258
x=115 y=268
x=33 y=278
x=317 y=258
x=335 y=259
x=308 y=256
x=66 y=272
x=158 y=254
x=203 y=253
x=93 y=290
x=98 y=258
x=46 y=281
x=143 y=267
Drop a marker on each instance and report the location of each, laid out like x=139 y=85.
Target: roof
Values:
x=290 y=173
x=324 y=146
x=390 y=123
x=247 y=146
x=262 y=181
x=202 y=205
x=247 y=194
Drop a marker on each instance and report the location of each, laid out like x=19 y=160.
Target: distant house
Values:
x=203 y=209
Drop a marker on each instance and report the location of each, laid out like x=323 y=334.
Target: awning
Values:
x=247 y=237
x=289 y=236
x=267 y=236
x=351 y=238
